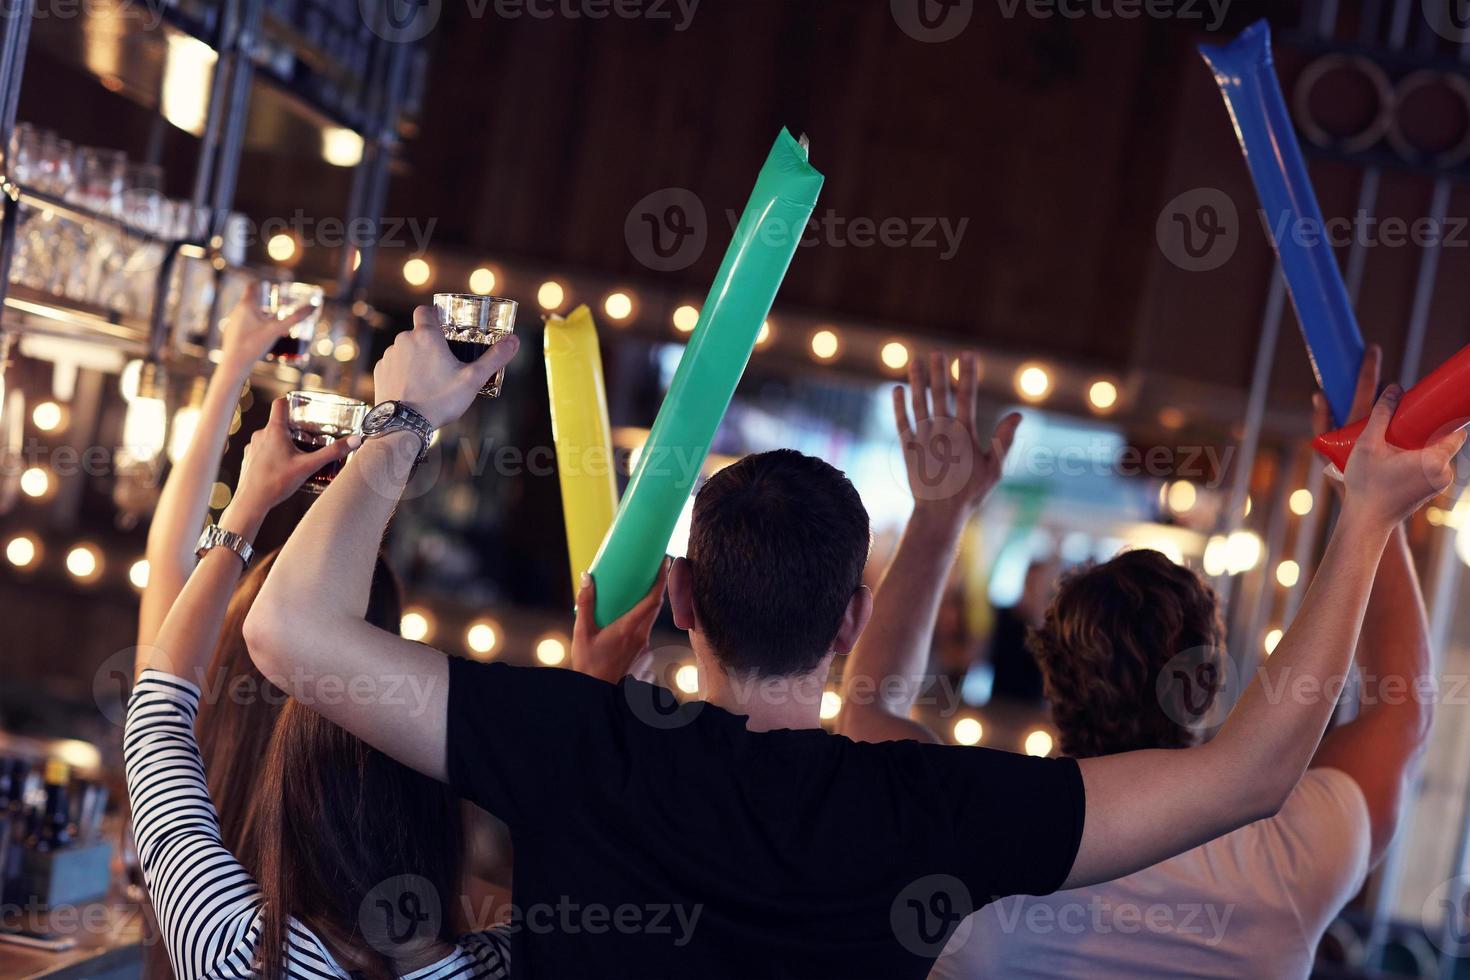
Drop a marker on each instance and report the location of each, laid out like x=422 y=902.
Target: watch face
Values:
x=379 y=417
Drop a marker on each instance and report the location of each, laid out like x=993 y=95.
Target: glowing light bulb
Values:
x=482 y=281
x=22 y=551
x=1288 y=573
x=186 y=423
x=341 y=147
x=417 y=272
x=686 y=679
x=35 y=482
x=84 y=563
x=48 y=416
x=895 y=355
x=1301 y=502
x=825 y=345
x=1103 y=395
x=1182 y=496
x=831 y=705
x=138 y=574
x=551 y=295
x=281 y=247
x=968 y=731
x=551 y=650
x=1243 y=551
x=145 y=427
x=618 y=306
x=1038 y=743
x=481 y=638
x=1273 y=637
x=1033 y=383
x=764 y=336
x=686 y=318
x=415 y=625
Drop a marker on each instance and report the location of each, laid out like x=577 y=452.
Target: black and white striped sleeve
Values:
x=208 y=906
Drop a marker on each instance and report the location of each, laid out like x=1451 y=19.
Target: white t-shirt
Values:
x=1253 y=903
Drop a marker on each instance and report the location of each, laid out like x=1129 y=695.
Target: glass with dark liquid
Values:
x=280 y=300
x=316 y=420
x=472 y=324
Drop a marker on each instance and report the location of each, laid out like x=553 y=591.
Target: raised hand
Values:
x=616 y=649
x=247 y=333
x=950 y=465
x=1386 y=483
x=275 y=469
x=1368 y=377
x=420 y=371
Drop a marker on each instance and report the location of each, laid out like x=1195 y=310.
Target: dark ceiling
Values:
x=1058 y=140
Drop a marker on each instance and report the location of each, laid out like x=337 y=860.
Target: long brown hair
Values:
x=342 y=821
x=317 y=816
x=238 y=715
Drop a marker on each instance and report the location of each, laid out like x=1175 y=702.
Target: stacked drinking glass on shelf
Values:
x=108 y=264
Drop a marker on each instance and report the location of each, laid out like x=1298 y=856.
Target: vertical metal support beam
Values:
x=227 y=37
x=1255 y=412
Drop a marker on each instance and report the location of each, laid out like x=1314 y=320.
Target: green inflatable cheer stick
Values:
x=737 y=305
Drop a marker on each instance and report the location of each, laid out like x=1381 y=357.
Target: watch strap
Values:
x=215 y=536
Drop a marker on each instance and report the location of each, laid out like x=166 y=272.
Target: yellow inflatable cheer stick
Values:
x=584 y=459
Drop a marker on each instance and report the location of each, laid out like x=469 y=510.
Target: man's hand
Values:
x=247 y=333
x=1368 y=377
x=275 y=469
x=951 y=467
x=1385 y=484
x=420 y=371
x=613 y=651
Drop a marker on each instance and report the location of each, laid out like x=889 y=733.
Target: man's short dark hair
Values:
x=777 y=548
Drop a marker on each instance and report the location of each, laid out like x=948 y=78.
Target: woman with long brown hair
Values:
x=358 y=858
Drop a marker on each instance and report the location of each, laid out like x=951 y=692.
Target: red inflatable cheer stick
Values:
x=1433 y=408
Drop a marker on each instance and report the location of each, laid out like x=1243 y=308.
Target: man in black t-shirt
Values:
x=733 y=837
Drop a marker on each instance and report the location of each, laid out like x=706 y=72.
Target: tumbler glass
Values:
x=317 y=419
x=472 y=324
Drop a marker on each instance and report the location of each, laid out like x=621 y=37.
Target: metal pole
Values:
x=1245 y=458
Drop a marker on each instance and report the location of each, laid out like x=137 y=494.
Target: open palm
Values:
x=949 y=463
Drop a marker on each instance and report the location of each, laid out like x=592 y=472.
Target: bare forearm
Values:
x=190 y=630
x=1393 y=654
x=183 y=504
x=1279 y=720
x=324 y=574
x=307 y=633
x=885 y=671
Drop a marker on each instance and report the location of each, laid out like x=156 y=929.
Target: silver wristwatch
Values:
x=397 y=417
x=217 y=537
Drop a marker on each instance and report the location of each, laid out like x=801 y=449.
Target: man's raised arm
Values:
x=1145 y=806
x=306 y=630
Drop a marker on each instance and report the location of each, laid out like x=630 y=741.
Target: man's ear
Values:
x=681 y=594
x=854 y=620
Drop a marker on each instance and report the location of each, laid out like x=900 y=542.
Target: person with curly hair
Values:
x=1132 y=655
